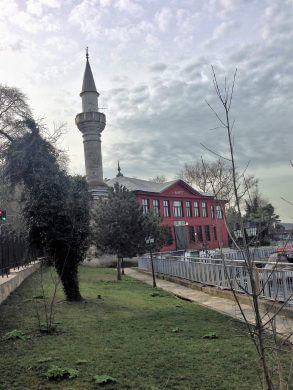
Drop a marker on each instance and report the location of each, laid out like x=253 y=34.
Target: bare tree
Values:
x=14 y=114
x=13 y=110
x=216 y=177
x=268 y=349
x=158 y=179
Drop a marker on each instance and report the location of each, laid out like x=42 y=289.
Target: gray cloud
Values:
x=166 y=122
x=154 y=78
x=158 y=68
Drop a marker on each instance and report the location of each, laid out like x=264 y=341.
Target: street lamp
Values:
x=150 y=241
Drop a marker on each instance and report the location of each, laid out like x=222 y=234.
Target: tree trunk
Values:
x=68 y=274
x=122 y=265
x=119 y=268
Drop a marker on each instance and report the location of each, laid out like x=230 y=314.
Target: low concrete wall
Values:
x=14 y=279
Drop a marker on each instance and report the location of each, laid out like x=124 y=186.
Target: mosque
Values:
x=195 y=219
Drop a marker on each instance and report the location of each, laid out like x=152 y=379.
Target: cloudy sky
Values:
x=151 y=62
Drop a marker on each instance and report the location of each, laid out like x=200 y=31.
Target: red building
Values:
x=195 y=219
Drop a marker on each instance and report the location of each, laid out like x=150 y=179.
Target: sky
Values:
x=151 y=61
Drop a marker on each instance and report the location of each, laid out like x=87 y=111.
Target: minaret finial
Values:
x=87 y=53
x=119 y=174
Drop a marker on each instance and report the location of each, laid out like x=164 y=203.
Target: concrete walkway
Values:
x=225 y=306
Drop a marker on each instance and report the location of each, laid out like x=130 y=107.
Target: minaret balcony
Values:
x=88 y=117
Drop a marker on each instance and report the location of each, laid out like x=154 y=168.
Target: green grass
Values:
x=127 y=334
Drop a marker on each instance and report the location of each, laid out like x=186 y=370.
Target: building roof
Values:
x=88 y=84
x=133 y=184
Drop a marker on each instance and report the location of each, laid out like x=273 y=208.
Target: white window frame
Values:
x=166 y=208
x=204 y=209
x=219 y=213
x=156 y=207
x=177 y=209
x=145 y=206
x=188 y=208
x=196 y=208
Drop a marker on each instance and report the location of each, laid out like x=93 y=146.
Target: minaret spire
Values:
x=88 y=84
x=119 y=174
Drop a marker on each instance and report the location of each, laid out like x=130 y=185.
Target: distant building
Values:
x=283 y=232
x=195 y=219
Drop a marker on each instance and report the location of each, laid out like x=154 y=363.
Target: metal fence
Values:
x=276 y=285
x=256 y=253
x=13 y=252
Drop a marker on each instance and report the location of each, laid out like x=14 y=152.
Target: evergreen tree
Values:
x=121 y=228
x=56 y=205
x=117 y=225
x=260 y=214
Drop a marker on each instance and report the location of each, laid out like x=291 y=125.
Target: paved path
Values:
x=221 y=305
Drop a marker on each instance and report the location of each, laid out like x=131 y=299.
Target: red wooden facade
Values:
x=201 y=215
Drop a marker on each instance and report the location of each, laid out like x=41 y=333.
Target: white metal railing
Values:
x=273 y=284
x=256 y=253
x=231 y=254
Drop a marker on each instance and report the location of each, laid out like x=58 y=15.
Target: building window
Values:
x=156 y=207
x=191 y=234
x=177 y=208
x=207 y=233
x=196 y=209
x=199 y=233
x=212 y=212
x=145 y=206
x=166 y=208
x=188 y=208
x=214 y=233
x=219 y=212
x=204 y=209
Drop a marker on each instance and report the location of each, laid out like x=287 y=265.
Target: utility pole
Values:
x=150 y=241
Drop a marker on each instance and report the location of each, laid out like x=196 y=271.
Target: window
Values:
x=188 y=208
x=166 y=208
x=204 y=209
x=196 y=209
x=212 y=212
x=156 y=207
x=145 y=206
x=207 y=233
x=199 y=233
x=214 y=233
x=191 y=234
x=219 y=212
x=177 y=208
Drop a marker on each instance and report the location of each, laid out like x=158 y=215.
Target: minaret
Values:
x=91 y=123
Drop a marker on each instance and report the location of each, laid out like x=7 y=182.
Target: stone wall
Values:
x=10 y=283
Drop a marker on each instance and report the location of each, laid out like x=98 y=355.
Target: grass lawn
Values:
x=144 y=341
